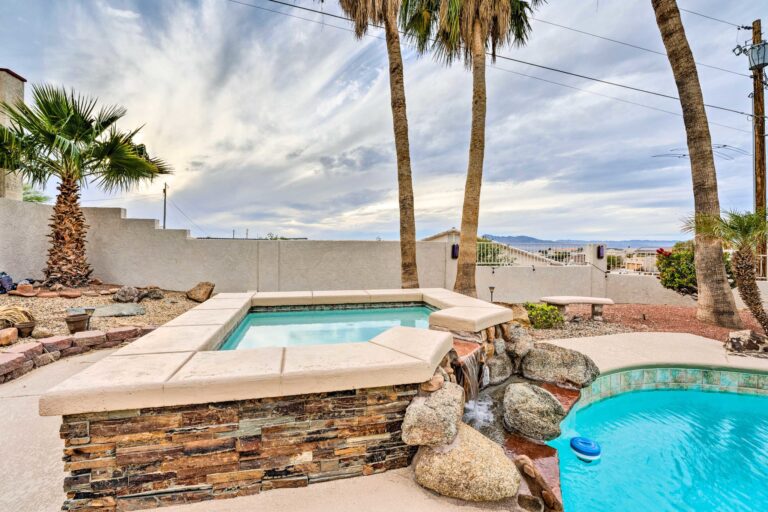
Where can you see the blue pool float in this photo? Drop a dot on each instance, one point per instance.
(585, 449)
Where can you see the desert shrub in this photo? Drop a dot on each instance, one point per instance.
(544, 316)
(677, 270)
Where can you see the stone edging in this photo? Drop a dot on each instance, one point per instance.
(21, 358)
(696, 379)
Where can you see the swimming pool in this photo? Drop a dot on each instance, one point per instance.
(668, 450)
(321, 327)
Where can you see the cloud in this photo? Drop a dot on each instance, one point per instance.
(275, 123)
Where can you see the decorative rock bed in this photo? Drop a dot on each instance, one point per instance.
(21, 358)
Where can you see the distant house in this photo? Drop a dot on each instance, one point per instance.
(492, 253)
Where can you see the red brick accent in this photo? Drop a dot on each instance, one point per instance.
(55, 343)
(29, 350)
(88, 338)
(10, 362)
(122, 333)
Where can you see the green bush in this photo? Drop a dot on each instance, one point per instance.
(677, 270)
(544, 316)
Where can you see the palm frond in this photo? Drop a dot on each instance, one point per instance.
(741, 230)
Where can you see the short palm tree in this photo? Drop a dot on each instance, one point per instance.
(744, 233)
(63, 136)
(384, 13)
(468, 29)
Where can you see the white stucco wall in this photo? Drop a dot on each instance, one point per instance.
(135, 252)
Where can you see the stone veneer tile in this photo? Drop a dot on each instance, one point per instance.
(153, 457)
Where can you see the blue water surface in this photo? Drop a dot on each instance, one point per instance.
(294, 328)
(668, 451)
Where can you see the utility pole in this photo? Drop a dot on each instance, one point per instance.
(165, 201)
(758, 119)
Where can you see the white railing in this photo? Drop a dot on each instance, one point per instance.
(496, 254)
(632, 261)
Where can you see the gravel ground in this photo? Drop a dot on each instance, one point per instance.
(583, 328)
(50, 313)
(644, 317)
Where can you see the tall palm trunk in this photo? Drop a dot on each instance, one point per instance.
(409, 276)
(743, 264)
(715, 299)
(67, 263)
(470, 215)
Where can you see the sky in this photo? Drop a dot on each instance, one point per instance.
(277, 120)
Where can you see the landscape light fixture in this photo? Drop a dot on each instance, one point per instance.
(491, 288)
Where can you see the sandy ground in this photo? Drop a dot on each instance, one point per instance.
(661, 318)
(50, 313)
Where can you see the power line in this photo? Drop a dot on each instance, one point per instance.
(632, 45)
(187, 217)
(540, 66)
(614, 98)
(712, 18)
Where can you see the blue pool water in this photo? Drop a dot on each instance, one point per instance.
(292, 328)
(668, 451)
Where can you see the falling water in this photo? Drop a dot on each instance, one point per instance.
(470, 374)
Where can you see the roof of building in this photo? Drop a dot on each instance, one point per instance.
(452, 231)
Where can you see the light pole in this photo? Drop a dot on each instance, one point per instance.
(491, 288)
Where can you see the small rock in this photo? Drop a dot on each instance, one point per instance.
(520, 315)
(112, 290)
(150, 293)
(41, 332)
(472, 468)
(126, 294)
(499, 365)
(8, 336)
(434, 420)
(118, 310)
(201, 292)
(561, 366)
(532, 412)
(47, 295)
(90, 293)
(433, 384)
(518, 344)
(96, 281)
(70, 294)
(43, 359)
(56, 287)
(106, 292)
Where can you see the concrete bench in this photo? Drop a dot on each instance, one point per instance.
(564, 300)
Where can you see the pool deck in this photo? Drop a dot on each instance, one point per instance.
(31, 448)
(659, 349)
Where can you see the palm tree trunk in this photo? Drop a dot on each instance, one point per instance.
(67, 262)
(470, 215)
(715, 299)
(409, 276)
(745, 275)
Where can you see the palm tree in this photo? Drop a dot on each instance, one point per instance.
(744, 233)
(63, 136)
(384, 12)
(715, 300)
(468, 29)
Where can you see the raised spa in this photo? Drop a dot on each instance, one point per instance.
(275, 328)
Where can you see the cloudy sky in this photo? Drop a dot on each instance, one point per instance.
(278, 120)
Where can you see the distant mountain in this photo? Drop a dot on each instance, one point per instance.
(616, 244)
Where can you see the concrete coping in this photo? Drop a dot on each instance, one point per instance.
(177, 364)
(628, 351)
